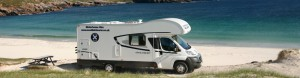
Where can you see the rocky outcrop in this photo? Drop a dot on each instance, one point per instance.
(161, 1)
(30, 8)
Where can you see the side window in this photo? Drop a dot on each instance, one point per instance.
(154, 42)
(167, 44)
(137, 40)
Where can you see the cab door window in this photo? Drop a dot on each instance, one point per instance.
(167, 44)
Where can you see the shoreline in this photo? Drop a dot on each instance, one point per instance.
(212, 55)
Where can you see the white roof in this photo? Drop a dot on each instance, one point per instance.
(170, 25)
(117, 22)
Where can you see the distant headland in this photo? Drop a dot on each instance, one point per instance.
(28, 7)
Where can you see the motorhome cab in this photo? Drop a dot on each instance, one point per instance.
(135, 44)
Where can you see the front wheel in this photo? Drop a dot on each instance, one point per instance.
(109, 68)
(180, 68)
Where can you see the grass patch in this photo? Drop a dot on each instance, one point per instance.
(17, 3)
(38, 67)
(240, 73)
(8, 61)
(75, 74)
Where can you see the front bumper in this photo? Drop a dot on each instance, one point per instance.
(194, 61)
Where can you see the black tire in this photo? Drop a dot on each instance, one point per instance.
(109, 67)
(79, 66)
(191, 69)
(198, 66)
(180, 68)
(118, 68)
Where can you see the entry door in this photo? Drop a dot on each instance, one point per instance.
(155, 43)
(83, 47)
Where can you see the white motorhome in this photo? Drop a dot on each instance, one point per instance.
(136, 44)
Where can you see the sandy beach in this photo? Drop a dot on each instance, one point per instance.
(212, 55)
(31, 48)
(215, 58)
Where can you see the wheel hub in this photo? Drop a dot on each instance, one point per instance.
(180, 68)
(108, 68)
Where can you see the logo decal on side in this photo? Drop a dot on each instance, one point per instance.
(95, 37)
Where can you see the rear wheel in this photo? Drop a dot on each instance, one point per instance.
(180, 67)
(109, 67)
(79, 66)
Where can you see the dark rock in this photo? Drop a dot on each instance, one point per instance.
(2, 14)
(4, 10)
(83, 4)
(254, 62)
(270, 61)
(13, 13)
(161, 1)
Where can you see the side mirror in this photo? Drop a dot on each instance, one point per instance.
(176, 49)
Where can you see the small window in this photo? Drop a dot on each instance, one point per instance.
(137, 40)
(154, 42)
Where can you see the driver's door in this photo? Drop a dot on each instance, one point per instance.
(167, 48)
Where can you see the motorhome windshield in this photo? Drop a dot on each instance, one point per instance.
(181, 42)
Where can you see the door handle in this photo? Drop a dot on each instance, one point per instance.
(120, 51)
(116, 50)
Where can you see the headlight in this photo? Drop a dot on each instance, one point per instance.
(190, 53)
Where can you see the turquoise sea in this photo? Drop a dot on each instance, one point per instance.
(251, 23)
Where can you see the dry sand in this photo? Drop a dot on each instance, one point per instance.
(31, 48)
(221, 55)
(214, 57)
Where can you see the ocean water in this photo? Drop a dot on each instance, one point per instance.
(254, 23)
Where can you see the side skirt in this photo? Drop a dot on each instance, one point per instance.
(116, 63)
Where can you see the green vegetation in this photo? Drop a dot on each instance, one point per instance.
(75, 74)
(16, 3)
(10, 3)
(241, 73)
(38, 67)
(8, 61)
(44, 72)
